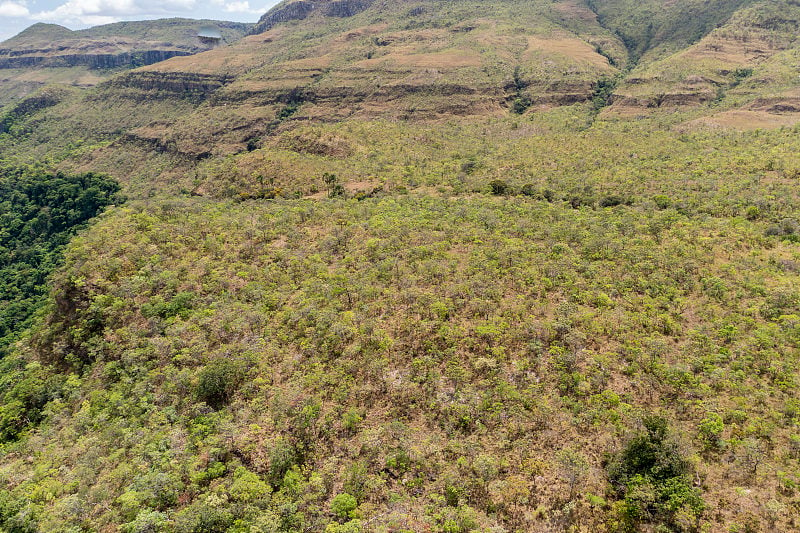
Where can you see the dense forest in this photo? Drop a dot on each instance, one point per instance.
(39, 214)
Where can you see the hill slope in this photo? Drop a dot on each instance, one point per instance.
(423, 266)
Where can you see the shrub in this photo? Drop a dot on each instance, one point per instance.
(353, 526)
(710, 432)
(218, 381)
(572, 468)
(521, 104)
(247, 486)
(208, 515)
(613, 200)
(662, 201)
(652, 477)
(529, 190)
(351, 420)
(343, 506)
(158, 489)
(147, 521)
(337, 191)
(498, 187)
(282, 457)
(469, 166)
(752, 213)
(180, 305)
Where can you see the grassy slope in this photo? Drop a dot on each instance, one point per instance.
(453, 360)
(750, 44)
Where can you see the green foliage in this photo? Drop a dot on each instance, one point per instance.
(281, 459)
(247, 486)
(602, 92)
(158, 490)
(39, 212)
(179, 305)
(231, 350)
(147, 521)
(218, 381)
(343, 506)
(351, 420)
(662, 201)
(521, 104)
(573, 468)
(652, 477)
(208, 515)
(498, 187)
(710, 432)
(352, 526)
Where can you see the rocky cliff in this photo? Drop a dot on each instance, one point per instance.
(50, 59)
(300, 9)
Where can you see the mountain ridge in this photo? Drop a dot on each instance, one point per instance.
(48, 53)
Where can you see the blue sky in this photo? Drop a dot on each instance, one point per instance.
(16, 15)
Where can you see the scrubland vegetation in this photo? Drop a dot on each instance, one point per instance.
(415, 315)
(412, 362)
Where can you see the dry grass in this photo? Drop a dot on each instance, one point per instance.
(576, 10)
(569, 49)
(744, 120)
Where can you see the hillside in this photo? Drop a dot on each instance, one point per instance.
(47, 53)
(429, 265)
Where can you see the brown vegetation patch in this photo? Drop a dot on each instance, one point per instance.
(317, 143)
(446, 60)
(574, 49)
(734, 51)
(574, 9)
(744, 120)
(364, 31)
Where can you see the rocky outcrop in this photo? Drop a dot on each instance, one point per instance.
(95, 61)
(157, 145)
(776, 105)
(284, 13)
(300, 9)
(668, 100)
(180, 84)
(345, 8)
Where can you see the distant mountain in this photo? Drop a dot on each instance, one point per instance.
(48, 53)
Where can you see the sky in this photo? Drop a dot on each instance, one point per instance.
(16, 15)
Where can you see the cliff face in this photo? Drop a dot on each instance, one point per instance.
(420, 60)
(15, 59)
(404, 61)
(748, 53)
(138, 85)
(300, 9)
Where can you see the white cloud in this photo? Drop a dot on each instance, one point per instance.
(240, 7)
(92, 12)
(13, 9)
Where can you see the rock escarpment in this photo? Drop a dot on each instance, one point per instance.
(44, 58)
(301, 9)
